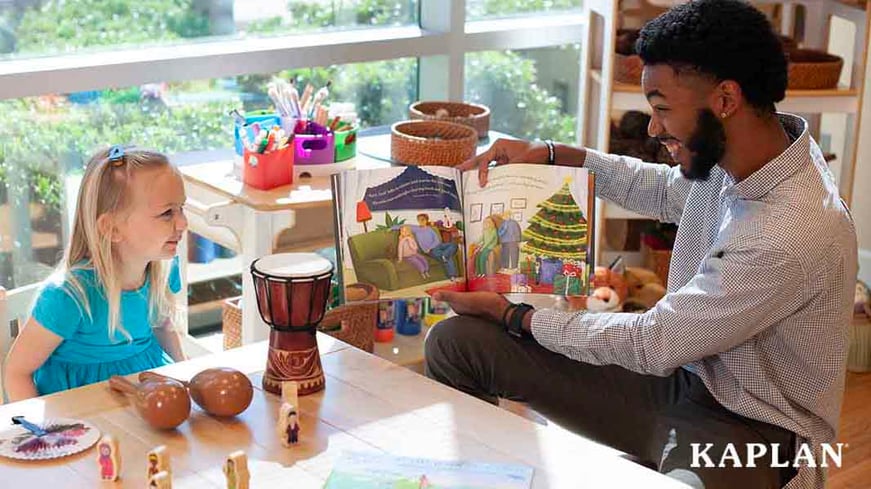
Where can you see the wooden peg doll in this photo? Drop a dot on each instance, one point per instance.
(160, 480)
(109, 458)
(158, 461)
(290, 392)
(236, 470)
(288, 424)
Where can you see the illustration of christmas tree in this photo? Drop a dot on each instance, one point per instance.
(558, 229)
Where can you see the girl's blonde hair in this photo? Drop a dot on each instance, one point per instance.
(104, 190)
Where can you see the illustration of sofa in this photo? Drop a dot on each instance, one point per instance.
(374, 257)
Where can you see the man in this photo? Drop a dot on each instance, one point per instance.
(509, 237)
(748, 346)
(430, 243)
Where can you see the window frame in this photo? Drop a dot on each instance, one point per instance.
(440, 43)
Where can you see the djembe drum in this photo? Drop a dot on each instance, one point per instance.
(292, 291)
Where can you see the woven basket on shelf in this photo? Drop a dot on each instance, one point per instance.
(813, 70)
(432, 143)
(354, 323)
(231, 322)
(656, 260)
(472, 115)
(627, 64)
(627, 69)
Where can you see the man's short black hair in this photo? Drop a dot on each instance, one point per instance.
(724, 39)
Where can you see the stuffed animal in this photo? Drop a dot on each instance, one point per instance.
(638, 289)
(644, 288)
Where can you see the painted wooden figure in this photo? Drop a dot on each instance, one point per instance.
(109, 458)
(158, 461)
(236, 470)
(288, 424)
(160, 480)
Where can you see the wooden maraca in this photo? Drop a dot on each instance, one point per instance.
(164, 405)
(218, 391)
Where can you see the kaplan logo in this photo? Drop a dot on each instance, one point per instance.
(831, 456)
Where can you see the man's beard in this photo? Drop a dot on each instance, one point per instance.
(707, 145)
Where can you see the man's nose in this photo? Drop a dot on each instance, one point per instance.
(654, 128)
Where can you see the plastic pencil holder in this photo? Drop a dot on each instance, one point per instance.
(268, 170)
(265, 118)
(346, 144)
(314, 144)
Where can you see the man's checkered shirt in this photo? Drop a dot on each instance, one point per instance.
(760, 289)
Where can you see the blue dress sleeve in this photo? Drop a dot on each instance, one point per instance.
(174, 276)
(57, 310)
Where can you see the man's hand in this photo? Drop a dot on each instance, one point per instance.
(486, 305)
(503, 152)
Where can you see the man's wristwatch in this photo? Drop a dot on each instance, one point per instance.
(512, 319)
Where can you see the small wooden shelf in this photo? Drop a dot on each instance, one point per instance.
(836, 100)
(603, 98)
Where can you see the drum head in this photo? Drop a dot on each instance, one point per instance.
(292, 265)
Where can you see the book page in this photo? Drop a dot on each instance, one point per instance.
(378, 470)
(530, 230)
(400, 231)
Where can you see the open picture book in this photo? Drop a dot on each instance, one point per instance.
(360, 470)
(411, 231)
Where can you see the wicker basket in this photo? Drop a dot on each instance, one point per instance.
(656, 260)
(859, 356)
(432, 143)
(354, 323)
(813, 70)
(473, 115)
(627, 69)
(627, 64)
(231, 322)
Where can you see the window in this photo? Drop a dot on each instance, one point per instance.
(62, 63)
(531, 93)
(51, 136)
(30, 27)
(481, 9)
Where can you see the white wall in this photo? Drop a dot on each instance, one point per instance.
(861, 204)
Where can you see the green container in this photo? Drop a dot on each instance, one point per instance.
(346, 144)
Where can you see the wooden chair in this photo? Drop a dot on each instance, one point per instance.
(14, 308)
(6, 337)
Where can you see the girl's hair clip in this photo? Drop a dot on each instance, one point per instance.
(116, 155)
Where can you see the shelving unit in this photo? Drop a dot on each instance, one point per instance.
(602, 97)
(215, 269)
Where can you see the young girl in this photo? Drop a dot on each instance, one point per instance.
(408, 251)
(110, 309)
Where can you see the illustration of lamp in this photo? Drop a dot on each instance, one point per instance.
(363, 214)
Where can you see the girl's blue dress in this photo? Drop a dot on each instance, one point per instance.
(87, 354)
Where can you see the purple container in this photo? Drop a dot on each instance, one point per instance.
(314, 144)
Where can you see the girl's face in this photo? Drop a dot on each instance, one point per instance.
(488, 223)
(405, 231)
(154, 221)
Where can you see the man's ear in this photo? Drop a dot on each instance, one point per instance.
(728, 99)
(107, 226)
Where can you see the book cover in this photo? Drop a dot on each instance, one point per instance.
(364, 470)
